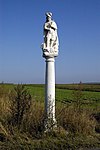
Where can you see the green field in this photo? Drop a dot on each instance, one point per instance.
(91, 97)
(90, 94)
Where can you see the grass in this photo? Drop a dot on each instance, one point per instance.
(63, 92)
(89, 98)
(85, 87)
(22, 128)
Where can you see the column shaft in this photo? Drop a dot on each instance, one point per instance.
(50, 88)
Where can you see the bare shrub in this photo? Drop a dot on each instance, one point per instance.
(20, 104)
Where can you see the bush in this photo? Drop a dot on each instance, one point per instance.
(20, 104)
(27, 115)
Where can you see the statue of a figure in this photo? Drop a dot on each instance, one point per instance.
(50, 35)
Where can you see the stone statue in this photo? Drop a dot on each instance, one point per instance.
(50, 45)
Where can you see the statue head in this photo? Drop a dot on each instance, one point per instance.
(48, 14)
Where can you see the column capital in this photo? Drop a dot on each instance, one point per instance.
(50, 59)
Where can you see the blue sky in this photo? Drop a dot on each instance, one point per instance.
(21, 34)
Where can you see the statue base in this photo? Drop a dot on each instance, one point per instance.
(49, 51)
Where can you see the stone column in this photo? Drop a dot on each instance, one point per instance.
(50, 88)
(50, 51)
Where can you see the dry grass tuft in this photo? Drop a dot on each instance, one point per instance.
(76, 122)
